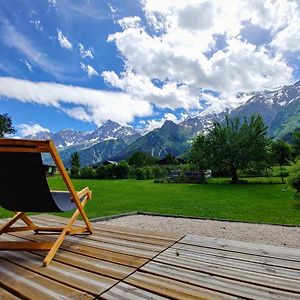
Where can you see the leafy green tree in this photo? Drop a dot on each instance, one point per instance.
(294, 177)
(140, 174)
(75, 165)
(296, 143)
(121, 170)
(281, 155)
(199, 153)
(237, 144)
(87, 172)
(140, 159)
(6, 125)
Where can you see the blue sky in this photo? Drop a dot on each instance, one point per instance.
(75, 64)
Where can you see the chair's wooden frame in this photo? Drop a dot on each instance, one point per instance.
(14, 145)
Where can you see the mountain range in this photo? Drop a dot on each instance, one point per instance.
(280, 109)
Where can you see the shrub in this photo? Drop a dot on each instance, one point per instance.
(87, 172)
(294, 178)
(140, 174)
(100, 172)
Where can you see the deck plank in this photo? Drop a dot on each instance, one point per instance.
(212, 282)
(5, 295)
(124, 263)
(239, 255)
(73, 277)
(128, 292)
(199, 257)
(243, 247)
(170, 288)
(29, 285)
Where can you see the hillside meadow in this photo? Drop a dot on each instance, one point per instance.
(252, 202)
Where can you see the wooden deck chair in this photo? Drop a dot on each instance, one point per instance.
(24, 188)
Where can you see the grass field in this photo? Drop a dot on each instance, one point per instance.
(252, 202)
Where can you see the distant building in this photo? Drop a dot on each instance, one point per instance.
(171, 160)
(49, 170)
(109, 162)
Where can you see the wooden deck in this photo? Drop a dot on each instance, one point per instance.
(122, 263)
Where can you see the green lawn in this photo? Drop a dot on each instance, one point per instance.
(217, 200)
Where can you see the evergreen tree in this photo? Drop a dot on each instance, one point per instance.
(6, 125)
(75, 165)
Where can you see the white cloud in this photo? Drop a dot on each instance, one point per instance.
(190, 46)
(29, 129)
(89, 70)
(37, 25)
(90, 105)
(63, 41)
(13, 38)
(85, 53)
(27, 64)
(52, 3)
(157, 123)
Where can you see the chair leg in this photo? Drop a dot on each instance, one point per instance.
(62, 235)
(13, 220)
(22, 216)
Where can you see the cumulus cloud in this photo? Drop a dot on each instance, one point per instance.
(29, 129)
(90, 105)
(89, 70)
(63, 41)
(149, 125)
(85, 53)
(185, 48)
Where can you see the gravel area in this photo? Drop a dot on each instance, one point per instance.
(247, 232)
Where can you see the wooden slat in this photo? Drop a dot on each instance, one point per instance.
(17, 246)
(216, 283)
(249, 248)
(128, 292)
(113, 256)
(269, 261)
(69, 276)
(74, 240)
(171, 288)
(121, 240)
(199, 258)
(29, 285)
(84, 262)
(116, 235)
(229, 272)
(5, 295)
(118, 229)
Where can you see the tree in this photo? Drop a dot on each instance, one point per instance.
(6, 125)
(237, 145)
(294, 177)
(199, 153)
(281, 155)
(140, 159)
(296, 143)
(75, 165)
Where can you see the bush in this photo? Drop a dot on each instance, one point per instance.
(140, 174)
(87, 172)
(100, 172)
(294, 178)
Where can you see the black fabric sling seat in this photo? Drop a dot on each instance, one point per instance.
(23, 174)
